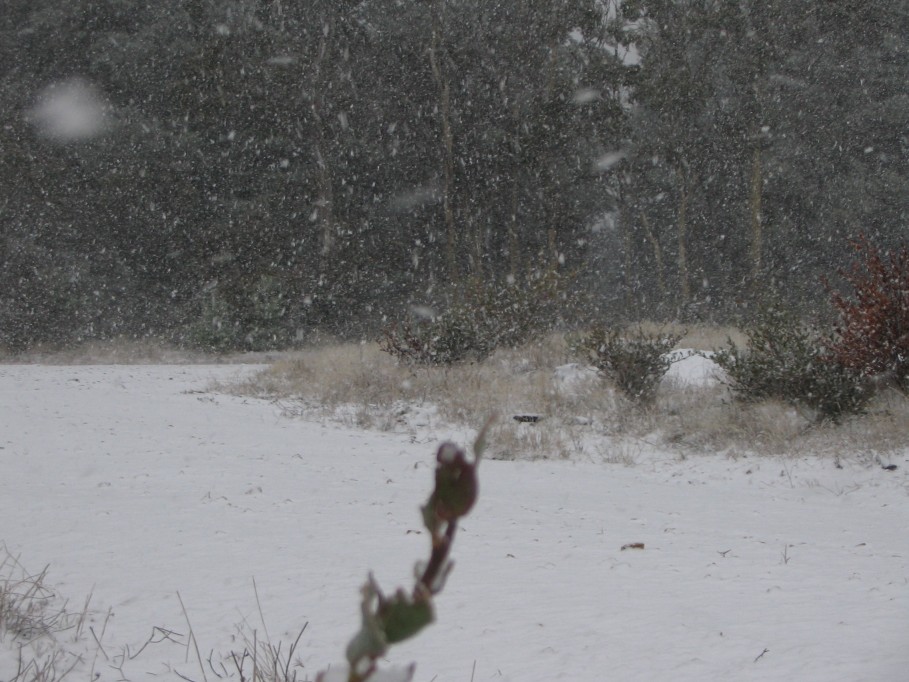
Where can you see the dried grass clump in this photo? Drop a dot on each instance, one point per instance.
(108, 352)
(334, 375)
(708, 419)
(362, 386)
(365, 387)
(49, 640)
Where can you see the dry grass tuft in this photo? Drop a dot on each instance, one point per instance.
(49, 640)
(709, 419)
(260, 659)
(366, 387)
(41, 640)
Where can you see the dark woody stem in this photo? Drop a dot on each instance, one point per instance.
(441, 546)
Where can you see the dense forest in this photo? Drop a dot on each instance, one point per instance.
(243, 173)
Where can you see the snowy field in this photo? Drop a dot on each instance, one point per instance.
(140, 489)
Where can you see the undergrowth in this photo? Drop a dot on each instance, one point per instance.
(48, 641)
(633, 360)
(481, 319)
(565, 411)
(786, 360)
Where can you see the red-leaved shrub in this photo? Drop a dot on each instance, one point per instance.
(873, 333)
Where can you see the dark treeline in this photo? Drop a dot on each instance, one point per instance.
(245, 172)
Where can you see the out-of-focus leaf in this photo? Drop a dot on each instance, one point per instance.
(401, 617)
(456, 484)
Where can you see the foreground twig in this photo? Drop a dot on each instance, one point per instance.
(387, 620)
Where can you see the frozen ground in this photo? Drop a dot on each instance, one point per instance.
(134, 484)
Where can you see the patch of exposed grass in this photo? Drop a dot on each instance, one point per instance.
(567, 414)
(130, 352)
(366, 387)
(709, 419)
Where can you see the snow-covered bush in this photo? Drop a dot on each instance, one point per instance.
(484, 318)
(873, 334)
(454, 336)
(634, 360)
(787, 360)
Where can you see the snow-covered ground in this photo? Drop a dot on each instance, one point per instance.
(140, 488)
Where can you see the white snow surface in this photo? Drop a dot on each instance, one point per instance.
(135, 484)
(692, 368)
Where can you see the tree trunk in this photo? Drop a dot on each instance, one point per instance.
(325, 201)
(657, 256)
(447, 143)
(757, 229)
(684, 277)
(514, 256)
(628, 263)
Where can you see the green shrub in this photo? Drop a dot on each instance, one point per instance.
(787, 360)
(253, 319)
(266, 321)
(215, 330)
(634, 361)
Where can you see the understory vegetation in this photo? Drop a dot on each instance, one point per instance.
(777, 384)
(781, 385)
(792, 362)
(552, 405)
(471, 329)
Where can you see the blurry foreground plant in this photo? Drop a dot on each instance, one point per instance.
(387, 620)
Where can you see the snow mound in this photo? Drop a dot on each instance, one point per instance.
(693, 368)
